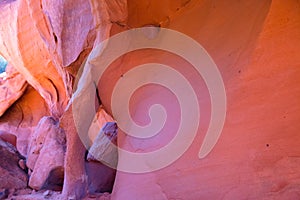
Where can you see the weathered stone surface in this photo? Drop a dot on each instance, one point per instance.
(46, 152)
(22, 164)
(255, 45)
(37, 141)
(31, 45)
(12, 177)
(100, 119)
(55, 179)
(8, 137)
(53, 36)
(101, 178)
(103, 135)
(104, 147)
(12, 86)
(22, 118)
(74, 186)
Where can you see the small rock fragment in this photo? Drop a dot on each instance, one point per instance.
(22, 164)
(71, 198)
(46, 193)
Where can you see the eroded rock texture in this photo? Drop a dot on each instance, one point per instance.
(41, 39)
(46, 152)
(12, 86)
(12, 176)
(255, 45)
(23, 116)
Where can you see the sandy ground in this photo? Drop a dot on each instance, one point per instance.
(28, 194)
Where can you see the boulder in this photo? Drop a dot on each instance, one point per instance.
(104, 148)
(101, 178)
(55, 179)
(37, 141)
(46, 153)
(102, 157)
(12, 176)
(102, 160)
(100, 119)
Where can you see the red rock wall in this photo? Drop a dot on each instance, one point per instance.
(40, 39)
(255, 45)
(23, 116)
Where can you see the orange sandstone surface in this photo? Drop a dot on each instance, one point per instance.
(255, 46)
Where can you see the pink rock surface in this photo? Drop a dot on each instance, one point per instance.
(22, 118)
(46, 152)
(101, 178)
(104, 147)
(100, 119)
(12, 177)
(48, 39)
(37, 141)
(8, 137)
(255, 45)
(12, 86)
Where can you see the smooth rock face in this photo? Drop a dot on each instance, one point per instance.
(254, 45)
(46, 152)
(12, 177)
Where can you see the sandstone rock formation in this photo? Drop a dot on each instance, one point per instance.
(46, 152)
(22, 117)
(255, 46)
(104, 148)
(101, 178)
(12, 177)
(100, 119)
(8, 137)
(12, 86)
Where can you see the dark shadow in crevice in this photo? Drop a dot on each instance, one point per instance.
(55, 180)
